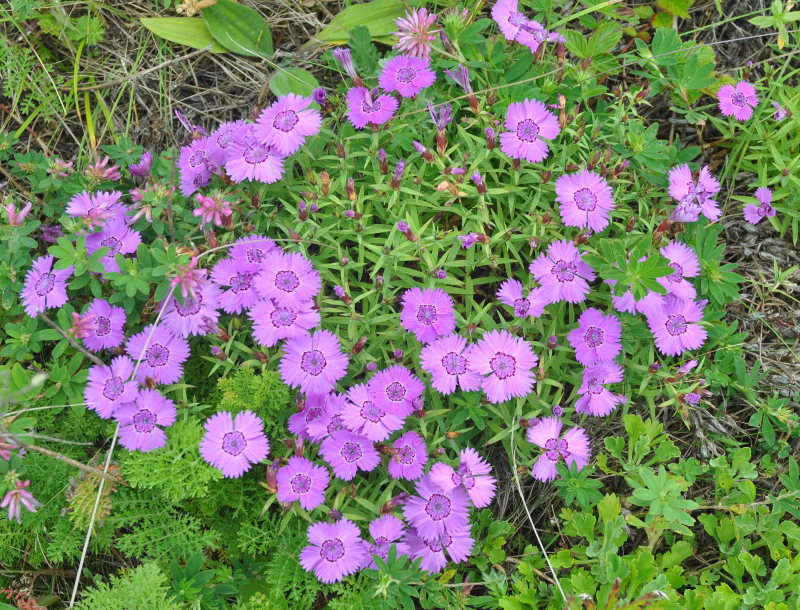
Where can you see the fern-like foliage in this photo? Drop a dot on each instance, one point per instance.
(265, 394)
(144, 587)
(177, 471)
(82, 498)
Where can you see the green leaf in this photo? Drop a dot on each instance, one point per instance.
(183, 30)
(238, 28)
(605, 37)
(378, 16)
(293, 80)
(676, 7)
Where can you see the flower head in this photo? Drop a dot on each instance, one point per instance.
(406, 74)
(18, 497)
(335, 550)
(212, 209)
(684, 261)
(17, 218)
(595, 398)
(314, 362)
(516, 27)
(529, 124)
(409, 457)
(596, 338)
(385, 531)
(272, 322)
(473, 473)
(755, 213)
(347, 453)
(675, 325)
(510, 293)
(345, 59)
(197, 162)
(196, 315)
(585, 200)
(101, 170)
(109, 387)
(457, 542)
(330, 421)
(737, 100)
(506, 362)
(107, 328)
(780, 112)
(363, 416)
(234, 444)
(572, 447)
(288, 278)
(141, 421)
(415, 32)
(435, 512)
(96, 209)
(236, 280)
(427, 313)
(249, 158)
(253, 249)
(562, 273)
(394, 390)
(223, 138)
(447, 360)
(118, 237)
(366, 107)
(694, 198)
(287, 123)
(44, 287)
(299, 422)
(160, 353)
(142, 168)
(302, 480)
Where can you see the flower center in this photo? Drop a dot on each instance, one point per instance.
(381, 547)
(198, 157)
(438, 507)
(426, 314)
(255, 255)
(564, 271)
(157, 355)
(521, 307)
(190, 306)
(241, 282)
(503, 365)
(465, 476)
(300, 483)
(313, 413)
(395, 391)
(556, 447)
(282, 316)
(585, 200)
(103, 325)
(45, 284)
(256, 153)
(527, 130)
(113, 388)
(286, 281)
(739, 99)
(234, 443)
(406, 74)
(593, 336)
(676, 325)
(371, 412)
(677, 275)
(332, 550)
(351, 452)
(144, 421)
(406, 454)
(454, 364)
(595, 386)
(225, 139)
(335, 424)
(285, 120)
(313, 362)
(375, 107)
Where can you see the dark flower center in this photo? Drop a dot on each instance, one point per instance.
(332, 550)
(313, 362)
(406, 455)
(564, 271)
(439, 545)
(521, 307)
(113, 388)
(282, 316)
(103, 326)
(585, 200)
(286, 281)
(335, 424)
(313, 413)
(367, 109)
(285, 120)
(198, 157)
(395, 391)
(465, 476)
(556, 447)
(225, 139)
(371, 412)
(300, 483)
(676, 325)
(157, 355)
(255, 255)
(438, 507)
(595, 386)
(527, 130)
(190, 306)
(593, 336)
(739, 99)
(426, 314)
(406, 74)
(381, 547)
(241, 282)
(144, 421)
(351, 452)
(113, 244)
(503, 365)
(256, 153)
(234, 443)
(677, 275)
(454, 364)
(45, 284)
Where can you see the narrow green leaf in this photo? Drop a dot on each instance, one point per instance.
(183, 30)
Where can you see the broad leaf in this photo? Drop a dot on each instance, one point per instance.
(238, 28)
(293, 80)
(378, 16)
(184, 30)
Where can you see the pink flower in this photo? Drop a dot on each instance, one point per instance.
(473, 473)
(737, 101)
(409, 457)
(693, 198)
(287, 123)
(506, 362)
(447, 360)
(435, 512)
(416, 32)
(427, 313)
(369, 107)
(562, 273)
(684, 261)
(302, 480)
(234, 444)
(756, 213)
(213, 209)
(363, 416)
(595, 398)
(585, 200)
(457, 542)
(141, 421)
(529, 124)
(395, 389)
(510, 293)
(407, 75)
(335, 550)
(347, 453)
(107, 326)
(675, 325)
(101, 171)
(314, 362)
(18, 497)
(16, 218)
(596, 338)
(572, 447)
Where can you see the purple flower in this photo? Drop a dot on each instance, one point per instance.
(529, 124)
(595, 398)
(469, 240)
(236, 280)
(197, 162)
(457, 542)
(675, 325)
(342, 55)
(447, 360)
(272, 322)
(532, 306)
(249, 158)
(596, 338)
(780, 112)
(435, 512)
(118, 238)
(755, 213)
(288, 278)
(96, 209)
(562, 273)
(415, 32)
(506, 363)
(253, 249)
(160, 352)
(142, 168)
(737, 101)
(347, 453)
(460, 76)
(692, 398)
(394, 390)
(299, 422)
(693, 198)
(314, 362)
(197, 315)
(443, 117)
(141, 421)
(319, 96)
(585, 200)
(50, 234)
(516, 27)
(107, 328)
(572, 447)
(362, 416)
(473, 473)
(385, 531)
(684, 261)
(234, 444)
(302, 480)
(18, 497)
(369, 108)
(336, 550)
(287, 123)
(403, 226)
(223, 138)
(330, 420)
(44, 287)
(427, 313)
(409, 457)
(108, 387)
(406, 74)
